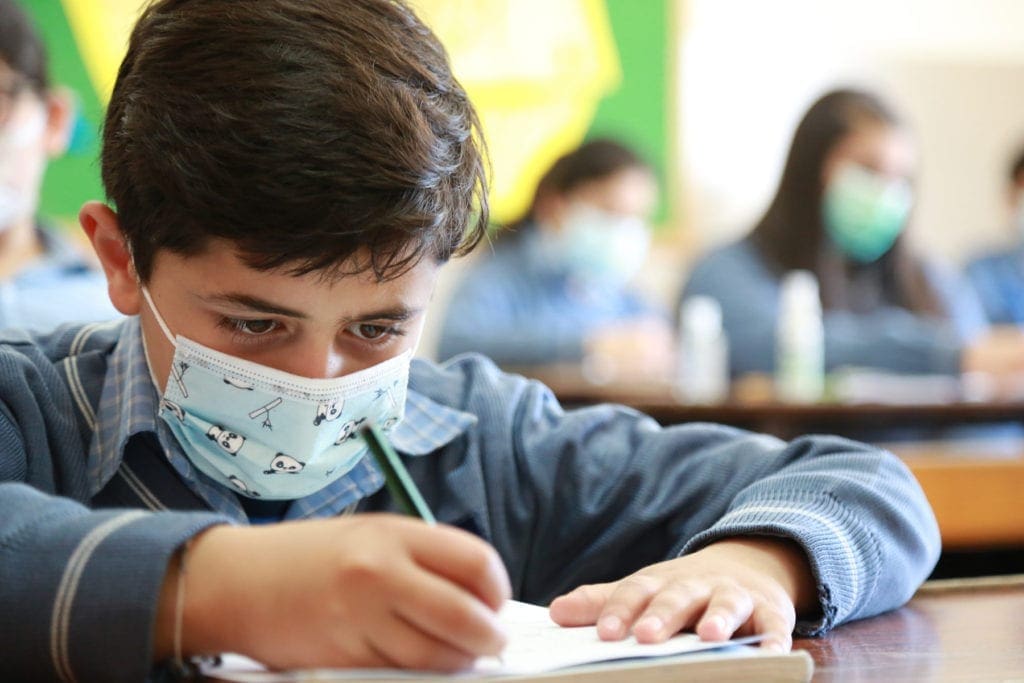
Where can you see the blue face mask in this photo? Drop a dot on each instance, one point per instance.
(599, 248)
(267, 433)
(864, 212)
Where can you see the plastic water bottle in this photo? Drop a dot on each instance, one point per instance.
(800, 340)
(703, 361)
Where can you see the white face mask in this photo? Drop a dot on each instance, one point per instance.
(601, 248)
(271, 434)
(13, 206)
(17, 194)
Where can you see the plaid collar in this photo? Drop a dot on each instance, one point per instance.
(129, 406)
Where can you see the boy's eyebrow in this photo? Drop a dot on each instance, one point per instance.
(395, 313)
(252, 302)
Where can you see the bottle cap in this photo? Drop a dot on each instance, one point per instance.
(800, 291)
(702, 314)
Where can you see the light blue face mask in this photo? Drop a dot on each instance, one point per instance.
(267, 433)
(864, 212)
(598, 248)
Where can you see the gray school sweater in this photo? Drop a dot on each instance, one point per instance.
(565, 497)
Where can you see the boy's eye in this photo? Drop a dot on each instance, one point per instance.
(371, 332)
(255, 327)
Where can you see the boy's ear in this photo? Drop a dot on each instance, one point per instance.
(60, 119)
(101, 226)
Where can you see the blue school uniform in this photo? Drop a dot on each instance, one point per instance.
(94, 499)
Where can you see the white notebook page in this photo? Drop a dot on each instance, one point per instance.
(535, 644)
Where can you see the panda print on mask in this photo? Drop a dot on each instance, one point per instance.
(326, 412)
(284, 464)
(348, 431)
(229, 441)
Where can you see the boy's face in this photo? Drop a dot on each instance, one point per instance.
(303, 325)
(22, 148)
(32, 128)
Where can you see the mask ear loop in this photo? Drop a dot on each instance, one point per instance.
(163, 328)
(416, 347)
(156, 314)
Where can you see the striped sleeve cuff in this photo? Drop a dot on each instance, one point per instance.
(114, 577)
(80, 588)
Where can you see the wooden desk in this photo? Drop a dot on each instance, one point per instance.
(788, 421)
(785, 420)
(961, 630)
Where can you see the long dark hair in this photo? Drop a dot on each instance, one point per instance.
(21, 48)
(593, 160)
(791, 234)
(1016, 170)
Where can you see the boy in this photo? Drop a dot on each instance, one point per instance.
(288, 176)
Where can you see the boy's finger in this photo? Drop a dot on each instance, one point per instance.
(629, 599)
(727, 609)
(674, 608)
(407, 646)
(582, 606)
(775, 626)
(464, 560)
(448, 613)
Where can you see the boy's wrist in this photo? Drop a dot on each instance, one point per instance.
(212, 620)
(197, 606)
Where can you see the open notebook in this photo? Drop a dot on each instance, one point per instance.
(539, 650)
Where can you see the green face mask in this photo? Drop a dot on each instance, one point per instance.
(864, 213)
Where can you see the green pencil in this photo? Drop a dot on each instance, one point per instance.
(397, 478)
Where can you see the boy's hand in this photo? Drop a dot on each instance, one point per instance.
(742, 586)
(363, 591)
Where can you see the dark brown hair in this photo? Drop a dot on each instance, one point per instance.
(1017, 168)
(593, 160)
(300, 131)
(21, 48)
(791, 234)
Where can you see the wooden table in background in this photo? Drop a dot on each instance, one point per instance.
(976, 490)
(786, 420)
(957, 630)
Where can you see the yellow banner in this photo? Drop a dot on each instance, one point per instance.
(534, 69)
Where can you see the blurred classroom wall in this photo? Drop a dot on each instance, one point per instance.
(748, 70)
(709, 90)
(589, 68)
(544, 75)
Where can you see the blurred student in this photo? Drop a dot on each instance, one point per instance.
(44, 279)
(840, 212)
(557, 285)
(998, 277)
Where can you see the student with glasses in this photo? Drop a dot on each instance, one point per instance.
(44, 279)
